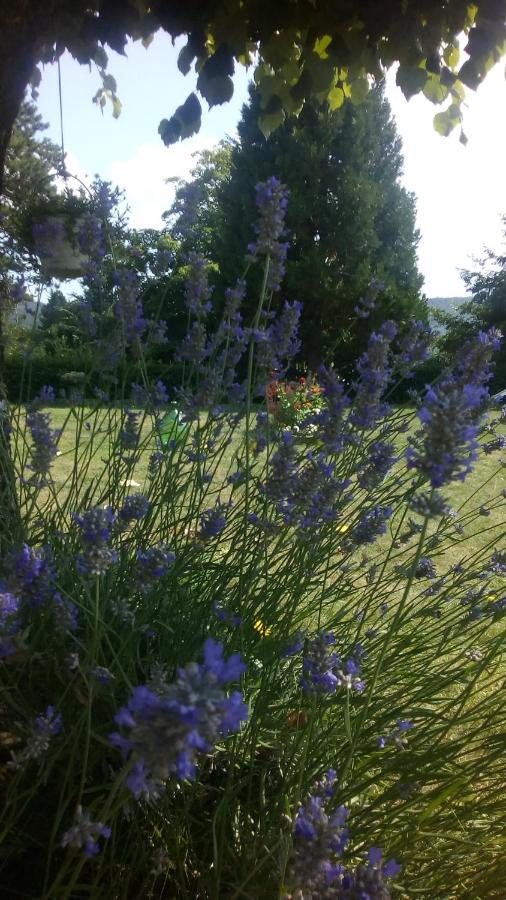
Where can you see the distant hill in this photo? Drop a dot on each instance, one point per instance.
(447, 304)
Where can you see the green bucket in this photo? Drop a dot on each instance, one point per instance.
(173, 427)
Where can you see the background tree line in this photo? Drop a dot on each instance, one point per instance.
(350, 223)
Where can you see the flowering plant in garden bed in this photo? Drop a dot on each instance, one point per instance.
(294, 404)
(267, 670)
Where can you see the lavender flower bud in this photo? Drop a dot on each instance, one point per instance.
(84, 833)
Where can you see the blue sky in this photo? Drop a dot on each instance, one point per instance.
(461, 191)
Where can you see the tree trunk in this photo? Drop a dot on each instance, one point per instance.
(17, 61)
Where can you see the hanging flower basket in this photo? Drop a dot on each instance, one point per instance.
(57, 246)
(51, 231)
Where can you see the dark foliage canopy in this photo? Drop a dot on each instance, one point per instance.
(327, 50)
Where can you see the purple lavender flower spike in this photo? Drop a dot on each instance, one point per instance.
(319, 835)
(447, 446)
(413, 348)
(32, 575)
(213, 522)
(323, 670)
(128, 306)
(135, 507)
(44, 439)
(155, 397)
(330, 420)
(396, 735)
(96, 530)
(381, 458)
(371, 524)
(272, 202)
(197, 289)
(374, 368)
(130, 432)
(153, 564)
(368, 302)
(9, 623)
(166, 731)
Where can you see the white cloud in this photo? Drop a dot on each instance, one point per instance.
(143, 177)
(78, 175)
(461, 190)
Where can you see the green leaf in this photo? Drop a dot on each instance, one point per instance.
(116, 107)
(35, 79)
(445, 122)
(263, 70)
(185, 59)
(335, 98)
(291, 71)
(214, 81)
(185, 121)
(169, 130)
(434, 90)
(100, 58)
(321, 44)
(433, 63)
(215, 90)
(458, 92)
(303, 87)
(322, 72)
(411, 80)
(359, 89)
(447, 77)
(291, 106)
(451, 55)
(190, 115)
(109, 83)
(269, 121)
(469, 74)
(280, 47)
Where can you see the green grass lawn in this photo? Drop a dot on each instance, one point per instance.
(85, 448)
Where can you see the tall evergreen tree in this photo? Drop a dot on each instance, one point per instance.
(31, 163)
(349, 218)
(30, 160)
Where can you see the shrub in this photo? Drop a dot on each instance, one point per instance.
(265, 671)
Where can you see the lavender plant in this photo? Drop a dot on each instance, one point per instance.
(347, 600)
